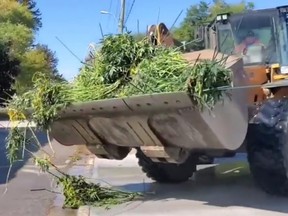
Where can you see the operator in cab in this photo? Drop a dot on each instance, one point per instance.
(249, 40)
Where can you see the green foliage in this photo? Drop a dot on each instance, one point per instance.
(36, 60)
(79, 192)
(31, 5)
(119, 54)
(115, 62)
(205, 78)
(50, 65)
(221, 6)
(10, 67)
(168, 71)
(203, 13)
(19, 21)
(13, 13)
(45, 99)
(16, 23)
(18, 36)
(43, 163)
(15, 142)
(195, 15)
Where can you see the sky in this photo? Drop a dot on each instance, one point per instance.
(76, 23)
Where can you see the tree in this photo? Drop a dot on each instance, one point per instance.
(14, 13)
(38, 59)
(51, 61)
(195, 15)
(19, 21)
(203, 13)
(16, 35)
(16, 22)
(10, 68)
(220, 6)
(31, 5)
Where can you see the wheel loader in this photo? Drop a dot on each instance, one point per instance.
(171, 137)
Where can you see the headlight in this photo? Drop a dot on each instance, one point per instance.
(284, 70)
(225, 17)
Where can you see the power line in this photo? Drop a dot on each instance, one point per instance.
(128, 5)
(82, 62)
(110, 6)
(69, 50)
(132, 5)
(117, 10)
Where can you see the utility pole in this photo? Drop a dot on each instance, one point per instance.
(122, 16)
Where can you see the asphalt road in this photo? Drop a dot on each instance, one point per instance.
(224, 189)
(27, 190)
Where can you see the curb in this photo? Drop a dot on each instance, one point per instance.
(84, 211)
(6, 124)
(85, 168)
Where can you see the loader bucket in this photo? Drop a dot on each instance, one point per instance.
(159, 121)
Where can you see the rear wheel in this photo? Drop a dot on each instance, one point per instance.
(166, 172)
(267, 147)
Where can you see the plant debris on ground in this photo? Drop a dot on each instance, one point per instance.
(78, 191)
(121, 67)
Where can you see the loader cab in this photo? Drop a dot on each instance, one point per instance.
(259, 36)
(283, 38)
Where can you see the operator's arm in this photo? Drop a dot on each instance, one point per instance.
(240, 48)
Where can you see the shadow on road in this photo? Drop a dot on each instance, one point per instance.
(224, 185)
(4, 163)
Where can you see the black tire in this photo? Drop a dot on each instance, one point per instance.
(166, 172)
(267, 147)
(204, 159)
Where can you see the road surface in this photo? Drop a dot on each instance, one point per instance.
(24, 177)
(222, 190)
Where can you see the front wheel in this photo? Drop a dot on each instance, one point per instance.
(267, 147)
(166, 172)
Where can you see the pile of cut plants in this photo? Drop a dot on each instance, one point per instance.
(121, 67)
